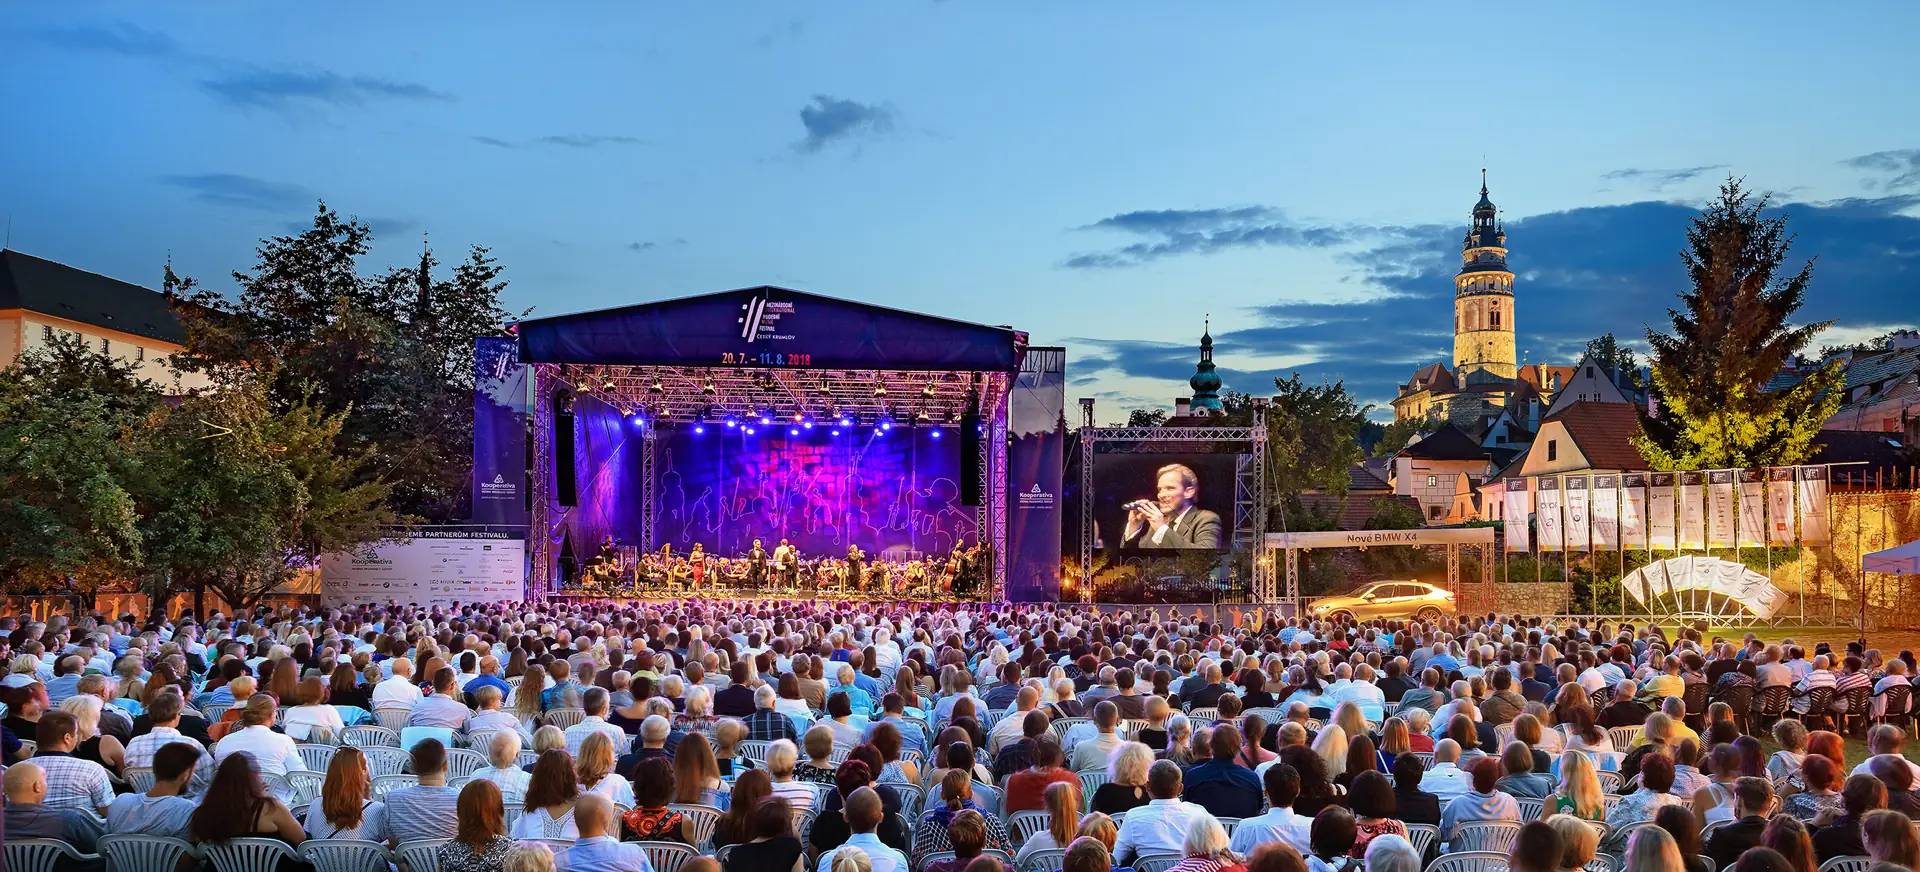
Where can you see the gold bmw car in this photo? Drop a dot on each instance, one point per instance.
(1387, 599)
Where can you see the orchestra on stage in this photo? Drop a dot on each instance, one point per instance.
(784, 570)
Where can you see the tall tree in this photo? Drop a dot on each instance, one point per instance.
(1730, 337)
(1608, 352)
(1397, 434)
(67, 512)
(395, 348)
(1312, 437)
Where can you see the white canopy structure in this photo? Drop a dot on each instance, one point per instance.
(1901, 560)
(1689, 585)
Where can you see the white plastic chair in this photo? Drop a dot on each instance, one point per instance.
(317, 757)
(1090, 782)
(1155, 862)
(141, 777)
(382, 760)
(368, 736)
(667, 856)
(248, 855)
(41, 855)
(393, 717)
(754, 750)
(565, 717)
(701, 819)
(1623, 737)
(126, 852)
(462, 762)
(1847, 864)
(1470, 861)
(1044, 861)
(420, 855)
(1422, 837)
(1024, 824)
(385, 784)
(307, 785)
(1530, 809)
(345, 855)
(1494, 836)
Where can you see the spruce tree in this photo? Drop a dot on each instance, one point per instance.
(1730, 337)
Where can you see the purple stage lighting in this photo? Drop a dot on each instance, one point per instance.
(732, 422)
(793, 431)
(936, 432)
(766, 421)
(846, 421)
(699, 429)
(836, 432)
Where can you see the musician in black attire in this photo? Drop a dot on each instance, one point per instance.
(757, 565)
(856, 566)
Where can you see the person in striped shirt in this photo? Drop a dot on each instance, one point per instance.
(165, 712)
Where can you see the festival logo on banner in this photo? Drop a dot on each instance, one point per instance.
(1548, 513)
(1605, 508)
(1575, 496)
(1633, 511)
(1693, 510)
(760, 318)
(1035, 471)
(1720, 532)
(1753, 522)
(1813, 504)
(1780, 505)
(1519, 505)
(500, 411)
(1661, 530)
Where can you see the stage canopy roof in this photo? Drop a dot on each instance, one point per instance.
(776, 352)
(1903, 560)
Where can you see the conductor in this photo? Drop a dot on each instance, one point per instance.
(757, 565)
(1170, 519)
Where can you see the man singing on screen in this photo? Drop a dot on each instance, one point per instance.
(1170, 519)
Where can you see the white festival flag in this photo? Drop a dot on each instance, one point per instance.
(1547, 512)
(1780, 505)
(1693, 510)
(1573, 492)
(1660, 517)
(1519, 505)
(1604, 506)
(1813, 504)
(1753, 501)
(1633, 511)
(1720, 508)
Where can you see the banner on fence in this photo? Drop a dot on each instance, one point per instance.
(1661, 531)
(1813, 504)
(1604, 506)
(1753, 502)
(1519, 504)
(1693, 510)
(1720, 508)
(430, 567)
(1547, 513)
(1779, 505)
(1574, 494)
(1633, 511)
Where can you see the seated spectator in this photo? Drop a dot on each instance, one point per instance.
(428, 810)
(346, 808)
(313, 720)
(1753, 799)
(164, 717)
(503, 763)
(1485, 802)
(863, 815)
(955, 796)
(1087, 855)
(1413, 805)
(1126, 787)
(164, 809)
(651, 820)
(1520, 779)
(1384, 854)
(1787, 835)
(1205, 848)
(93, 744)
(967, 834)
(1445, 780)
(480, 843)
(273, 752)
(552, 791)
(1578, 791)
(781, 757)
(818, 768)
(238, 805)
(1160, 826)
(770, 845)
(594, 768)
(1579, 841)
(71, 781)
(1656, 784)
(1374, 811)
(1897, 774)
(1063, 823)
(1334, 833)
(599, 849)
(27, 815)
(1024, 790)
(1537, 849)
(1890, 838)
(1840, 837)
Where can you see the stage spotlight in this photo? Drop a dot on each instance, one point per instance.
(808, 424)
(879, 390)
(732, 421)
(793, 431)
(749, 431)
(699, 429)
(657, 387)
(927, 391)
(936, 432)
(846, 421)
(709, 390)
(797, 417)
(766, 421)
(626, 413)
(886, 425)
(836, 431)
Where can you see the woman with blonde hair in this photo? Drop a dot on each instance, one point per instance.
(1098, 827)
(93, 744)
(549, 738)
(1331, 747)
(1348, 717)
(1063, 819)
(1126, 787)
(1651, 849)
(1419, 726)
(1205, 848)
(1578, 793)
(594, 768)
(1395, 739)
(528, 857)
(527, 705)
(128, 670)
(1579, 841)
(346, 809)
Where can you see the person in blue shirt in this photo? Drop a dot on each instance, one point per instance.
(1220, 785)
(595, 850)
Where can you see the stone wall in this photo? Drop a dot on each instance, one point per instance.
(1524, 598)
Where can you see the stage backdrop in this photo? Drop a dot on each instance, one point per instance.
(1035, 411)
(895, 493)
(431, 567)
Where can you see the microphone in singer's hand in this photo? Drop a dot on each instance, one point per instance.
(1138, 505)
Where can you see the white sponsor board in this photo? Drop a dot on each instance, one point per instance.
(433, 567)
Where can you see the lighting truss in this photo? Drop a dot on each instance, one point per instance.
(679, 394)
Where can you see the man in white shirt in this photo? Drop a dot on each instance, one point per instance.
(1885, 740)
(397, 691)
(1279, 824)
(503, 765)
(1160, 826)
(1771, 672)
(1091, 753)
(165, 713)
(489, 716)
(71, 781)
(1010, 728)
(863, 815)
(440, 708)
(594, 703)
(273, 753)
(1445, 780)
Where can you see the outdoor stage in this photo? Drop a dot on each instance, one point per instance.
(860, 435)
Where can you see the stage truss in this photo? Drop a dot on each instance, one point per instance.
(1249, 487)
(695, 396)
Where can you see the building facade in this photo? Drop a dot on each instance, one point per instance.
(41, 300)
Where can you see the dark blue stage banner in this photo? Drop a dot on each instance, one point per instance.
(500, 410)
(769, 327)
(1036, 421)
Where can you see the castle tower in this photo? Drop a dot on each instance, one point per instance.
(1205, 382)
(1483, 345)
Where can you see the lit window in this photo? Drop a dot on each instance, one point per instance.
(46, 332)
(1433, 511)
(1432, 480)
(106, 346)
(139, 352)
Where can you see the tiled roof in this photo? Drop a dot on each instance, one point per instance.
(1446, 443)
(1432, 377)
(1352, 512)
(48, 288)
(1360, 477)
(1604, 433)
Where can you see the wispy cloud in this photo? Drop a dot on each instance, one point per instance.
(1167, 232)
(650, 245)
(260, 88)
(120, 38)
(567, 140)
(1903, 165)
(244, 192)
(828, 119)
(1658, 180)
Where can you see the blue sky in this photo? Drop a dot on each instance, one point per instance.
(1098, 174)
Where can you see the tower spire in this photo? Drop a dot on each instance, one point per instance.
(1205, 382)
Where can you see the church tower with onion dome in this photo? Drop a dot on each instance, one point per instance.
(1483, 343)
(1205, 382)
